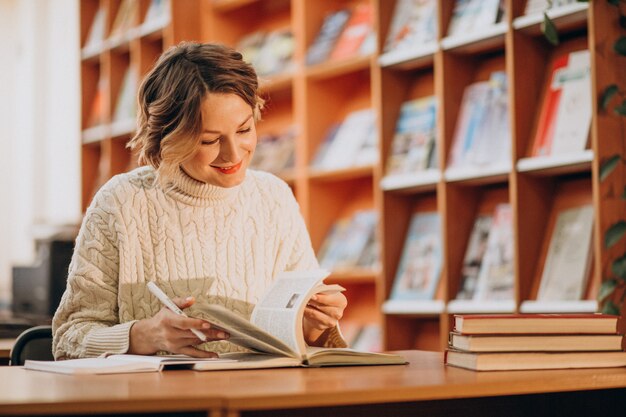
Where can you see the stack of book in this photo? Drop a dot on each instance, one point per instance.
(535, 341)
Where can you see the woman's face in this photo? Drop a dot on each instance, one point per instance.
(227, 144)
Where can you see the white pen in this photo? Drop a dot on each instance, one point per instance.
(158, 293)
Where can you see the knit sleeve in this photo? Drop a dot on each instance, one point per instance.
(86, 324)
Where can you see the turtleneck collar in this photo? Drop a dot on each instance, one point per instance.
(193, 192)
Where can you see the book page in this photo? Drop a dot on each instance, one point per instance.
(280, 311)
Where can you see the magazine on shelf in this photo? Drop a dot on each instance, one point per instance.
(124, 19)
(356, 36)
(496, 276)
(419, 269)
(414, 23)
(565, 116)
(126, 105)
(474, 16)
(567, 264)
(540, 6)
(482, 135)
(476, 248)
(324, 42)
(96, 32)
(414, 140)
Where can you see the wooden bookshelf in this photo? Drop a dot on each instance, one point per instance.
(315, 97)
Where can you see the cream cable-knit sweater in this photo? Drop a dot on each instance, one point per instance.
(222, 245)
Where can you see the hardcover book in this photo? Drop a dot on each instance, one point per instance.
(565, 116)
(566, 269)
(509, 361)
(534, 343)
(420, 264)
(535, 323)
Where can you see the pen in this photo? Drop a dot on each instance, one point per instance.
(158, 293)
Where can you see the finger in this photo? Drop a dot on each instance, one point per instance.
(318, 319)
(330, 311)
(335, 299)
(183, 303)
(197, 353)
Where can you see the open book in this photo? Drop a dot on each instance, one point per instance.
(118, 364)
(274, 333)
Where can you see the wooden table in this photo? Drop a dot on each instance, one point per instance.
(424, 387)
(5, 350)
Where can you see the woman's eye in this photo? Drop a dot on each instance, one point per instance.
(210, 142)
(244, 131)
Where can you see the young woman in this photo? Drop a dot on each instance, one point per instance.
(194, 220)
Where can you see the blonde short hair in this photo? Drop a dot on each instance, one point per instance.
(170, 101)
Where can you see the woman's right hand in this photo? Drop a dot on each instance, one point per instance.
(167, 331)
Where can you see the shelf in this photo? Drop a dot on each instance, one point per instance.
(153, 28)
(409, 59)
(579, 306)
(480, 306)
(355, 276)
(226, 6)
(497, 173)
(331, 69)
(568, 17)
(342, 174)
(425, 308)
(123, 128)
(92, 52)
(492, 38)
(424, 181)
(558, 164)
(95, 134)
(274, 83)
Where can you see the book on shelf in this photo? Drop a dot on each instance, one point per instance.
(419, 269)
(96, 111)
(496, 276)
(356, 38)
(476, 248)
(329, 32)
(590, 323)
(509, 361)
(269, 53)
(567, 264)
(565, 115)
(124, 18)
(117, 364)
(414, 23)
(349, 241)
(158, 13)
(126, 104)
(274, 334)
(96, 31)
(369, 338)
(275, 152)
(535, 342)
(482, 135)
(474, 15)
(414, 141)
(351, 144)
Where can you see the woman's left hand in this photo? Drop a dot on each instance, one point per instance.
(323, 312)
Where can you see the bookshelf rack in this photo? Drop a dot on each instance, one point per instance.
(313, 98)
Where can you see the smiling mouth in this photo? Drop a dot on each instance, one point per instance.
(229, 169)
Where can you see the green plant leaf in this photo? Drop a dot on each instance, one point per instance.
(620, 46)
(608, 166)
(610, 308)
(624, 194)
(618, 267)
(614, 234)
(614, 2)
(549, 30)
(606, 289)
(622, 21)
(607, 95)
(621, 109)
